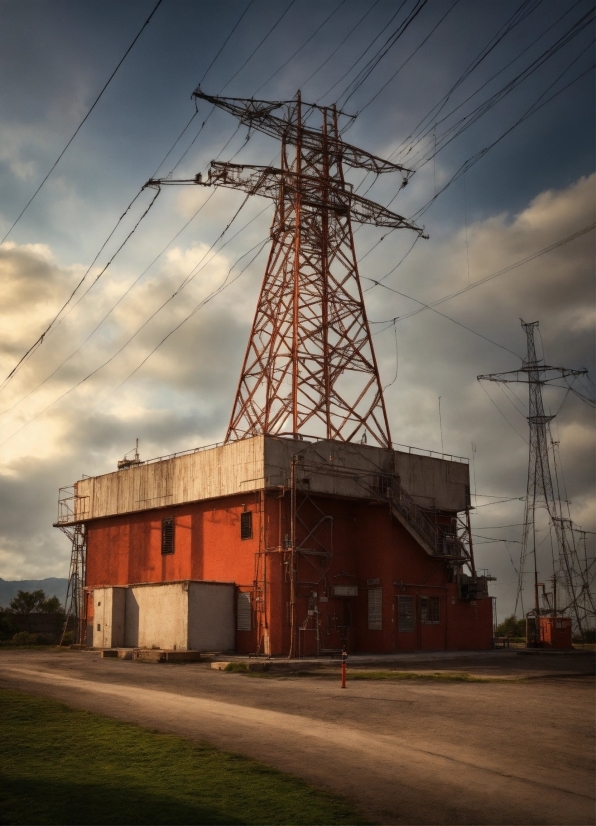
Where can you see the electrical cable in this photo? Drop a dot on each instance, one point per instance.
(365, 73)
(57, 318)
(261, 245)
(454, 131)
(516, 18)
(77, 130)
(502, 271)
(111, 310)
(502, 414)
(467, 165)
(357, 61)
(427, 130)
(416, 50)
(306, 42)
(221, 48)
(250, 57)
(89, 375)
(334, 52)
(428, 307)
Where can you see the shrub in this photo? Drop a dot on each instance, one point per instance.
(24, 638)
(7, 627)
(512, 627)
(68, 638)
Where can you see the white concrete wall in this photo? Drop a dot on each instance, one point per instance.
(264, 461)
(157, 616)
(109, 617)
(205, 474)
(211, 616)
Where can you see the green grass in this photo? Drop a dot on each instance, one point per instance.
(60, 765)
(442, 676)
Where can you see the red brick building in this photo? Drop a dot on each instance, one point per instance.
(328, 544)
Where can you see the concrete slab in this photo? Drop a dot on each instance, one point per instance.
(157, 655)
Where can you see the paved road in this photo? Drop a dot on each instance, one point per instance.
(408, 752)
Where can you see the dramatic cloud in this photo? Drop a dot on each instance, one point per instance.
(86, 394)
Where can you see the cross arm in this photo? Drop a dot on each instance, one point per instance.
(523, 374)
(268, 181)
(258, 114)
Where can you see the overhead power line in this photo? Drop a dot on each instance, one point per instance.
(78, 129)
(59, 315)
(510, 267)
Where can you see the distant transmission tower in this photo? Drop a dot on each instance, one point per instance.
(310, 365)
(574, 595)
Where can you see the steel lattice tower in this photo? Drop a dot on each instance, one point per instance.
(540, 492)
(310, 365)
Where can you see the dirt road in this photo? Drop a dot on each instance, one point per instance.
(408, 752)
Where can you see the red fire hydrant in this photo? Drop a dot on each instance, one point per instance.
(344, 667)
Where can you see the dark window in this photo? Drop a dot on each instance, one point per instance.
(167, 535)
(405, 613)
(430, 609)
(246, 525)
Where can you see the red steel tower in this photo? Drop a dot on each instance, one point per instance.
(310, 365)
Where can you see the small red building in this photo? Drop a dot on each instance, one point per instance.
(328, 544)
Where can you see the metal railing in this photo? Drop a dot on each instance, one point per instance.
(434, 454)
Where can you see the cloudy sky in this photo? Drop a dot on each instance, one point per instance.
(529, 102)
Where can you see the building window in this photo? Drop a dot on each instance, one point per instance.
(375, 609)
(405, 613)
(167, 535)
(430, 609)
(244, 618)
(246, 525)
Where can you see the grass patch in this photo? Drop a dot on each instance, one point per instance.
(236, 668)
(439, 676)
(61, 765)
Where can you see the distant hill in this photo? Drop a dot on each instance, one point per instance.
(53, 587)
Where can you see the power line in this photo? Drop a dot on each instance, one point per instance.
(516, 18)
(334, 52)
(255, 50)
(77, 130)
(454, 131)
(57, 318)
(502, 414)
(89, 375)
(474, 65)
(428, 307)
(261, 245)
(382, 52)
(357, 61)
(306, 42)
(467, 165)
(416, 50)
(510, 267)
(210, 66)
(111, 310)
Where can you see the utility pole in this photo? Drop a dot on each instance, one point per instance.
(310, 366)
(540, 492)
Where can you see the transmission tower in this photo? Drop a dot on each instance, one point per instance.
(576, 598)
(310, 365)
